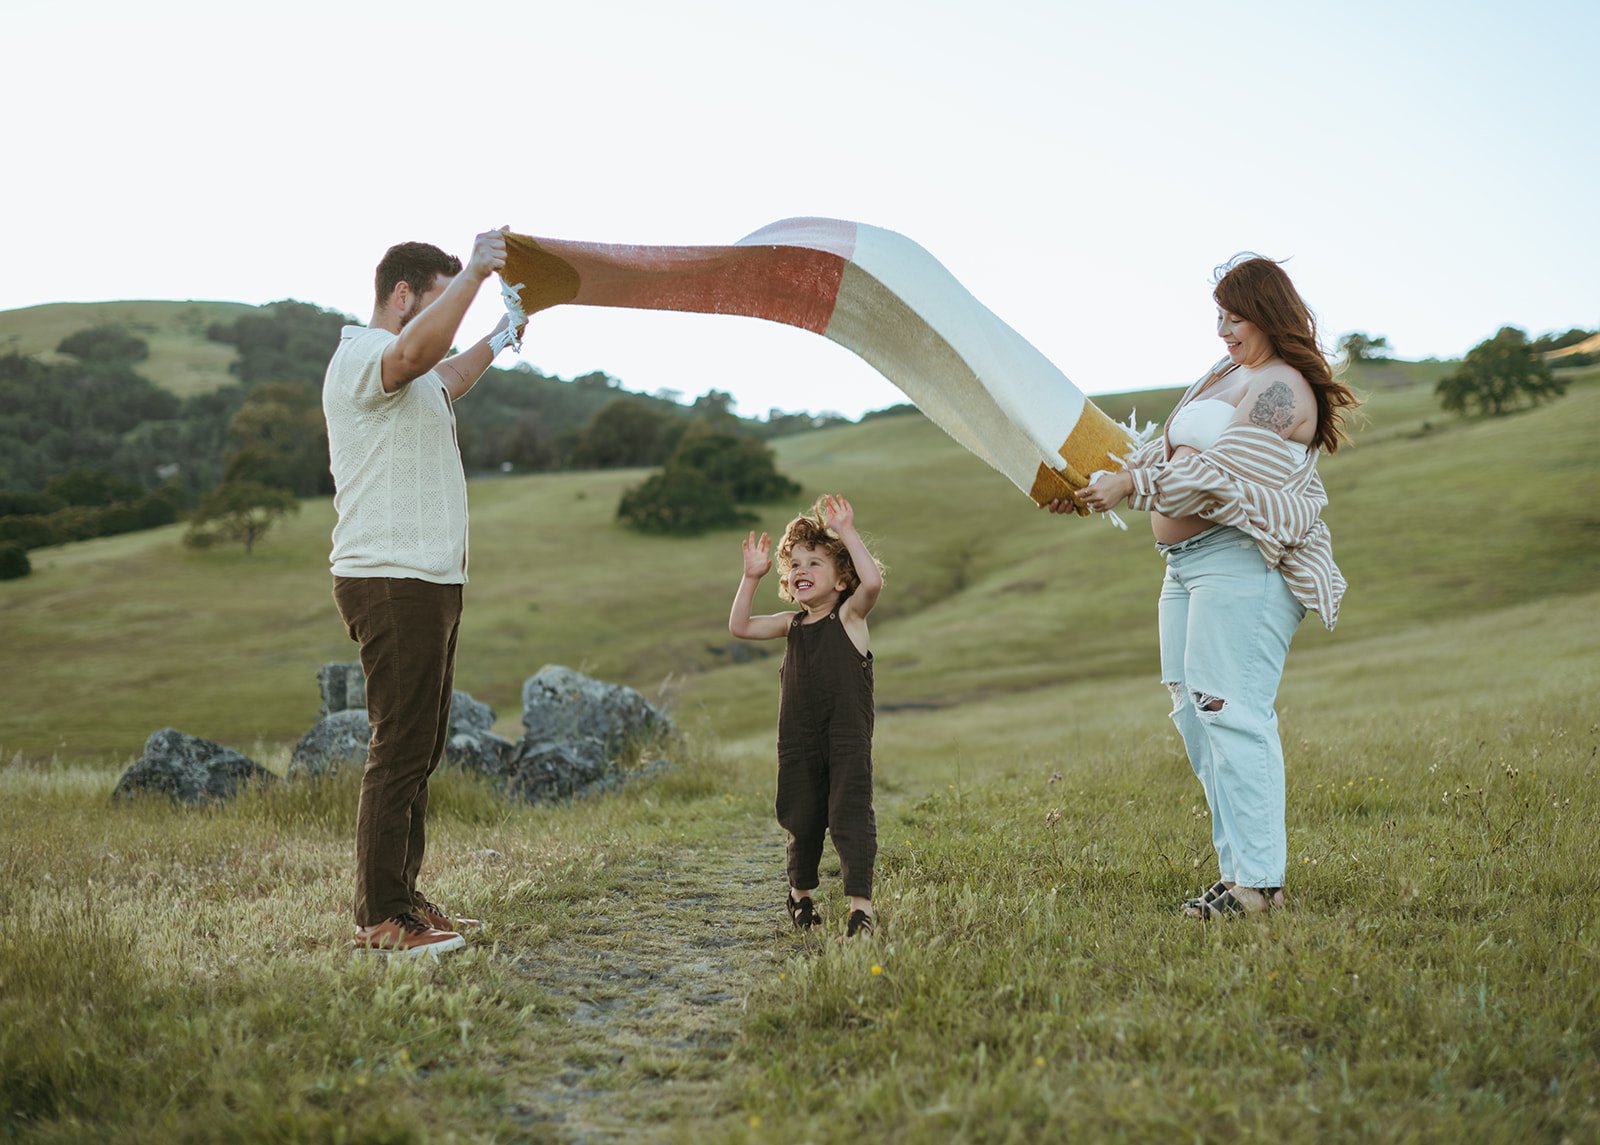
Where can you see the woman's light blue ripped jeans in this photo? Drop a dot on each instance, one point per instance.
(1226, 621)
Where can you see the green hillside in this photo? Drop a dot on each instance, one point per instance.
(182, 359)
(1032, 980)
(1434, 519)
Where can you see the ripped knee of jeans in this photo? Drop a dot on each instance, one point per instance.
(1176, 688)
(1207, 704)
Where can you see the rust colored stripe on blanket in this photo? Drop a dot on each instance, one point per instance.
(793, 285)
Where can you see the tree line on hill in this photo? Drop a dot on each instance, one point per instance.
(1359, 346)
(1497, 375)
(91, 447)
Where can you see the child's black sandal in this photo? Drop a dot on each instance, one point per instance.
(802, 911)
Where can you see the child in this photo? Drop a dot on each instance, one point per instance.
(825, 699)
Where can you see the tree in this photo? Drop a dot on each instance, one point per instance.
(1544, 343)
(1499, 375)
(1361, 347)
(279, 438)
(284, 341)
(238, 511)
(714, 405)
(626, 433)
(523, 442)
(93, 487)
(1558, 348)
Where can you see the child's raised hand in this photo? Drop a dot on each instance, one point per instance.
(837, 513)
(757, 555)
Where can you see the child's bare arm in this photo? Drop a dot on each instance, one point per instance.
(757, 563)
(841, 518)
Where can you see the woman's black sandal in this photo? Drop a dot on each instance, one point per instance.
(1227, 905)
(858, 922)
(1214, 891)
(802, 911)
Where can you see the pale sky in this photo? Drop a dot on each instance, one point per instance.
(1430, 170)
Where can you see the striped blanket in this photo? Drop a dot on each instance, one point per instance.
(876, 293)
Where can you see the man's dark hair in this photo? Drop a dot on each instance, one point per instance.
(416, 265)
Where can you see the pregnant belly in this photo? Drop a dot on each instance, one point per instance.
(1171, 530)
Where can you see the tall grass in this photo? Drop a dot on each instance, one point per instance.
(1434, 979)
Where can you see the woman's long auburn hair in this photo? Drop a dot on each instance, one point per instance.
(1257, 289)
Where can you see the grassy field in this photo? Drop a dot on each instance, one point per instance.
(178, 975)
(182, 359)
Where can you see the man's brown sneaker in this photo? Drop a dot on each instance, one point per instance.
(434, 915)
(405, 936)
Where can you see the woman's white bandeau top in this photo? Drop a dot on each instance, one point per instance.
(1201, 422)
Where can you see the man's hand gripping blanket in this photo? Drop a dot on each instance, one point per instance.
(879, 295)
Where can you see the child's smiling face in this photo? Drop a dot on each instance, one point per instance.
(812, 576)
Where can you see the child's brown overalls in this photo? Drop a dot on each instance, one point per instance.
(825, 715)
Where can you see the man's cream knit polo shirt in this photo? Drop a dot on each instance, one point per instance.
(401, 494)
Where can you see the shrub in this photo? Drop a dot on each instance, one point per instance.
(708, 476)
(13, 561)
(743, 465)
(120, 518)
(27, 504)
(32, 532)
(682, 502)
(75, 523)
(94, 487)
(105, 344)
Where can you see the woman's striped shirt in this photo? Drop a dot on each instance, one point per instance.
(1260, 484)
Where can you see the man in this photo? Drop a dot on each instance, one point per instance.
(400, 560)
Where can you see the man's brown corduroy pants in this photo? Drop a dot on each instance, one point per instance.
(407, 631)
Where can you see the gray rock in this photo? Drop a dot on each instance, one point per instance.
(482, 752)
(469, 715)
(342, 738)
(343, 731)
(577, 727)
(190, 770)
(566, 706)
(343, 687)
(336, 740)
(552, 771)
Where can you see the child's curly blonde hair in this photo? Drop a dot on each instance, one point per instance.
(808, 530)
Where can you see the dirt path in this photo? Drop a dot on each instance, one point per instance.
(651, 989)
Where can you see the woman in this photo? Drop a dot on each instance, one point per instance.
(1235, 502)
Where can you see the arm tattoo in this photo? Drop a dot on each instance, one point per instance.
(1274, 409)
